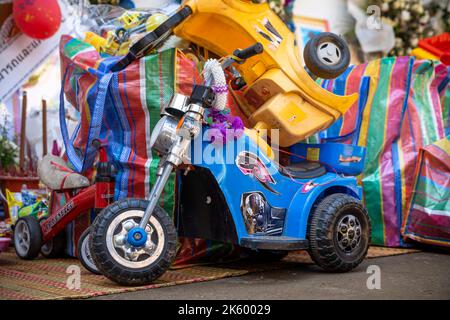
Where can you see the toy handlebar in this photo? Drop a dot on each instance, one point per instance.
(249, 52)
(152, 39)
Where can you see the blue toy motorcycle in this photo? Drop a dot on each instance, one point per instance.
(236, 192)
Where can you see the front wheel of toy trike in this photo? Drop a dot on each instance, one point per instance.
(118, 256)
(339, 233)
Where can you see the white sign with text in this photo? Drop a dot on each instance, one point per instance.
(22, 55)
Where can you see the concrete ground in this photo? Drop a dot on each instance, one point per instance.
(410, 276)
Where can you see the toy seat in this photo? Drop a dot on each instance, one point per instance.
(304, 170)
(56, 175)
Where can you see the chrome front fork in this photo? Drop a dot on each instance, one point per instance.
(188, 131)
(155, 193)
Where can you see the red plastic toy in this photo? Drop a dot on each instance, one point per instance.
(66, 204)
(439, 46)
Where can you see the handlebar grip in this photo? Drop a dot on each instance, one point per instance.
(249, 52)
(152, 39)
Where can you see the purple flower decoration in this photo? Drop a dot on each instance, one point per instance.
(224, 127)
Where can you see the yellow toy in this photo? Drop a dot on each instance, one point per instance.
(108, 45)
(113, 47)
(118, 42)
(14, 201)
(154, 21)
(137, 24)
(423, 54)
(95, 40)
(280, 94)
(135, 20)
(130, 19)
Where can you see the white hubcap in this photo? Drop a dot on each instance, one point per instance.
(22, 238)
(126, 254)
(329, 53)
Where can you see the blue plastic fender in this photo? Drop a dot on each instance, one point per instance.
(296, 223)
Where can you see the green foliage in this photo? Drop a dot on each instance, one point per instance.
(8, 149)
(413, 20)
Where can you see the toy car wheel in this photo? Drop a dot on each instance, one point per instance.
(54, 247)
(27, 238)
(115, 252)
(339, 233)
(84, 252)
(326, 55)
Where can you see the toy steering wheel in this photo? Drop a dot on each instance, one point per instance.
(151, 40)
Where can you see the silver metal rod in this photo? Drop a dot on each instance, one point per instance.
(156, 193)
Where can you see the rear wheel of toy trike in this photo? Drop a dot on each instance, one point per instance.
(27, 238)
(54, 247)
(115, 254)
(84, 252)
(339, 233)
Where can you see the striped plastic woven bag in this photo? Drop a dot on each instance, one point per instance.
(402, 112)
(428, 217)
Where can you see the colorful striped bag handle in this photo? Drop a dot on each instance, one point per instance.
(83, 162)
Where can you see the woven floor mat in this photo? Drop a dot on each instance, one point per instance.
(47, 278)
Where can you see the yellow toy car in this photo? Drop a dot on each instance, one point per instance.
(279, 92)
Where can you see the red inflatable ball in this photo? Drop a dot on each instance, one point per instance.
(38, 19)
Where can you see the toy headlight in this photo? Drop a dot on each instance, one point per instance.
(164, 134)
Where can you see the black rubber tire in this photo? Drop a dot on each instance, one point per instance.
(57, 246)
(34, 229)
(318, 67)
(117, 272)
(87, 261)
(322, 232)
(267, 255)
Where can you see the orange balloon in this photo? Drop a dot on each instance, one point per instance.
(39, 19)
